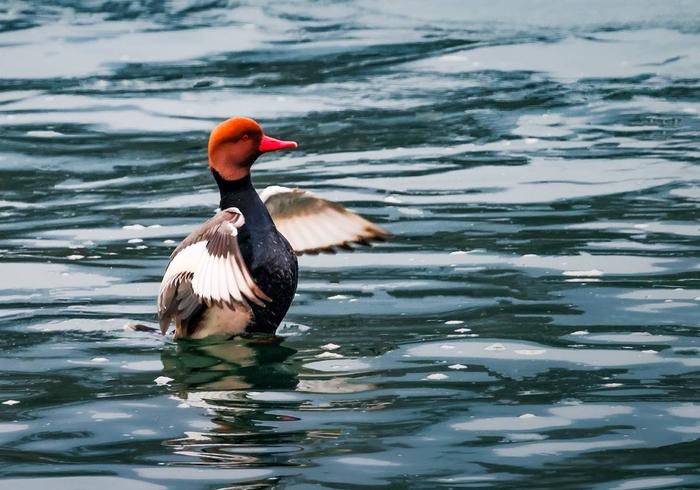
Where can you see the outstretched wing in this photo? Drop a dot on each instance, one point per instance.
(312, 225)
(207, 268)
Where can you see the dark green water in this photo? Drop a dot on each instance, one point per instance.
(534, 323)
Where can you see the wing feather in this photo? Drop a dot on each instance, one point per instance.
(289, 232)
(312, 224)
(207, 268)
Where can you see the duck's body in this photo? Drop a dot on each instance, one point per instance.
(269, 256)
(237, 273)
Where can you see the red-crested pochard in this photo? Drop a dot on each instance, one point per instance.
(237, 273)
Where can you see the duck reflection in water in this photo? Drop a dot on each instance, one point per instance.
(217, 376)
(228, 369)
(228, 365)
(245, 387)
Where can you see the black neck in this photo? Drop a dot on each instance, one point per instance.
(242, 195)
(232, 191)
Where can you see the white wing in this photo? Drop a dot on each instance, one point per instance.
(207, 268)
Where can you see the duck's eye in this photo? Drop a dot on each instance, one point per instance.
(245, 137)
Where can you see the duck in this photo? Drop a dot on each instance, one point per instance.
(237, 273)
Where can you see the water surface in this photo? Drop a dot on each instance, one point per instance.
(533, 324)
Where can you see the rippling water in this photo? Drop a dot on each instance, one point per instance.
(534, 322)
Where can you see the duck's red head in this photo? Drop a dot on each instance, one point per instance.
(236, 143)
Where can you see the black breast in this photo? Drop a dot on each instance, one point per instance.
(269, 257)
(273, 265)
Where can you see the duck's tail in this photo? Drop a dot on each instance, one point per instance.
(140, 327)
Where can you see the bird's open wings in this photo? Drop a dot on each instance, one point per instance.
(207, 268)
(312, 225)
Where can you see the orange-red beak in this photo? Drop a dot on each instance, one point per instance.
(271, 144)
